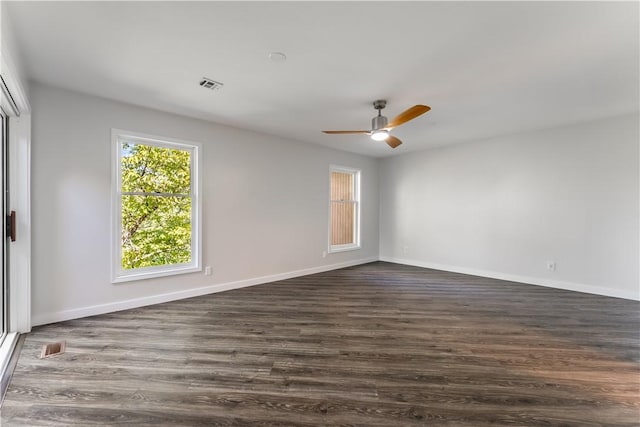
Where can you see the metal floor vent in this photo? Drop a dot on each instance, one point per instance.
(53, 349)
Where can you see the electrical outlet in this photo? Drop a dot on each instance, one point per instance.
(207, 270)
(324, 254)
(551, 265)
(405, 250)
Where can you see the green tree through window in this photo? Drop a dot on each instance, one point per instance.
(156, 204)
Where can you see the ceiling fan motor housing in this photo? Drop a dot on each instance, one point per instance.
(378, 122)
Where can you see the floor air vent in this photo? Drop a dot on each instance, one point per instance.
(52, 349)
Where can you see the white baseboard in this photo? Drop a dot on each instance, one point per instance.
(549, 283)
(76, 313)
(59, 316)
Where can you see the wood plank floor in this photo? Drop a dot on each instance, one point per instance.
(374, 345)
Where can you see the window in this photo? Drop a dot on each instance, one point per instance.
(344, 228)
(156, 207)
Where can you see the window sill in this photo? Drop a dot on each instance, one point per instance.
(343, 248)
(151, 273)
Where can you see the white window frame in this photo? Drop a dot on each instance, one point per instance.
(118, 274)
(356, 226)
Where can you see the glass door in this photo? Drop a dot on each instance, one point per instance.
(3, 215)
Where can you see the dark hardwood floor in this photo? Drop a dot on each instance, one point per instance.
(373, 345)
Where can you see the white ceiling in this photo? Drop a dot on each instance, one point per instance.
(485, 68)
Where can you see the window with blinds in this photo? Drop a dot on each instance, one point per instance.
(344, 227)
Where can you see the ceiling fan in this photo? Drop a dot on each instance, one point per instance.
(380, 126)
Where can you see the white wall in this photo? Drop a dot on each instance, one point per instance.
(499, 208)
(505, 206)
(265, 206)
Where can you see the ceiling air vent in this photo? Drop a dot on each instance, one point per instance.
(207, 83)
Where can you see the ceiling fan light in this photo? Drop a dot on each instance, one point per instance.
(380, 135)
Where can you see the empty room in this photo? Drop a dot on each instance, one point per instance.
(297, 214)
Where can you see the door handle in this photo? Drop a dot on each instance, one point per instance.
(11, 226)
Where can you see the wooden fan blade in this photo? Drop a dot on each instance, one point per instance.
(393, 141)
(407, 115)
(336, 132)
